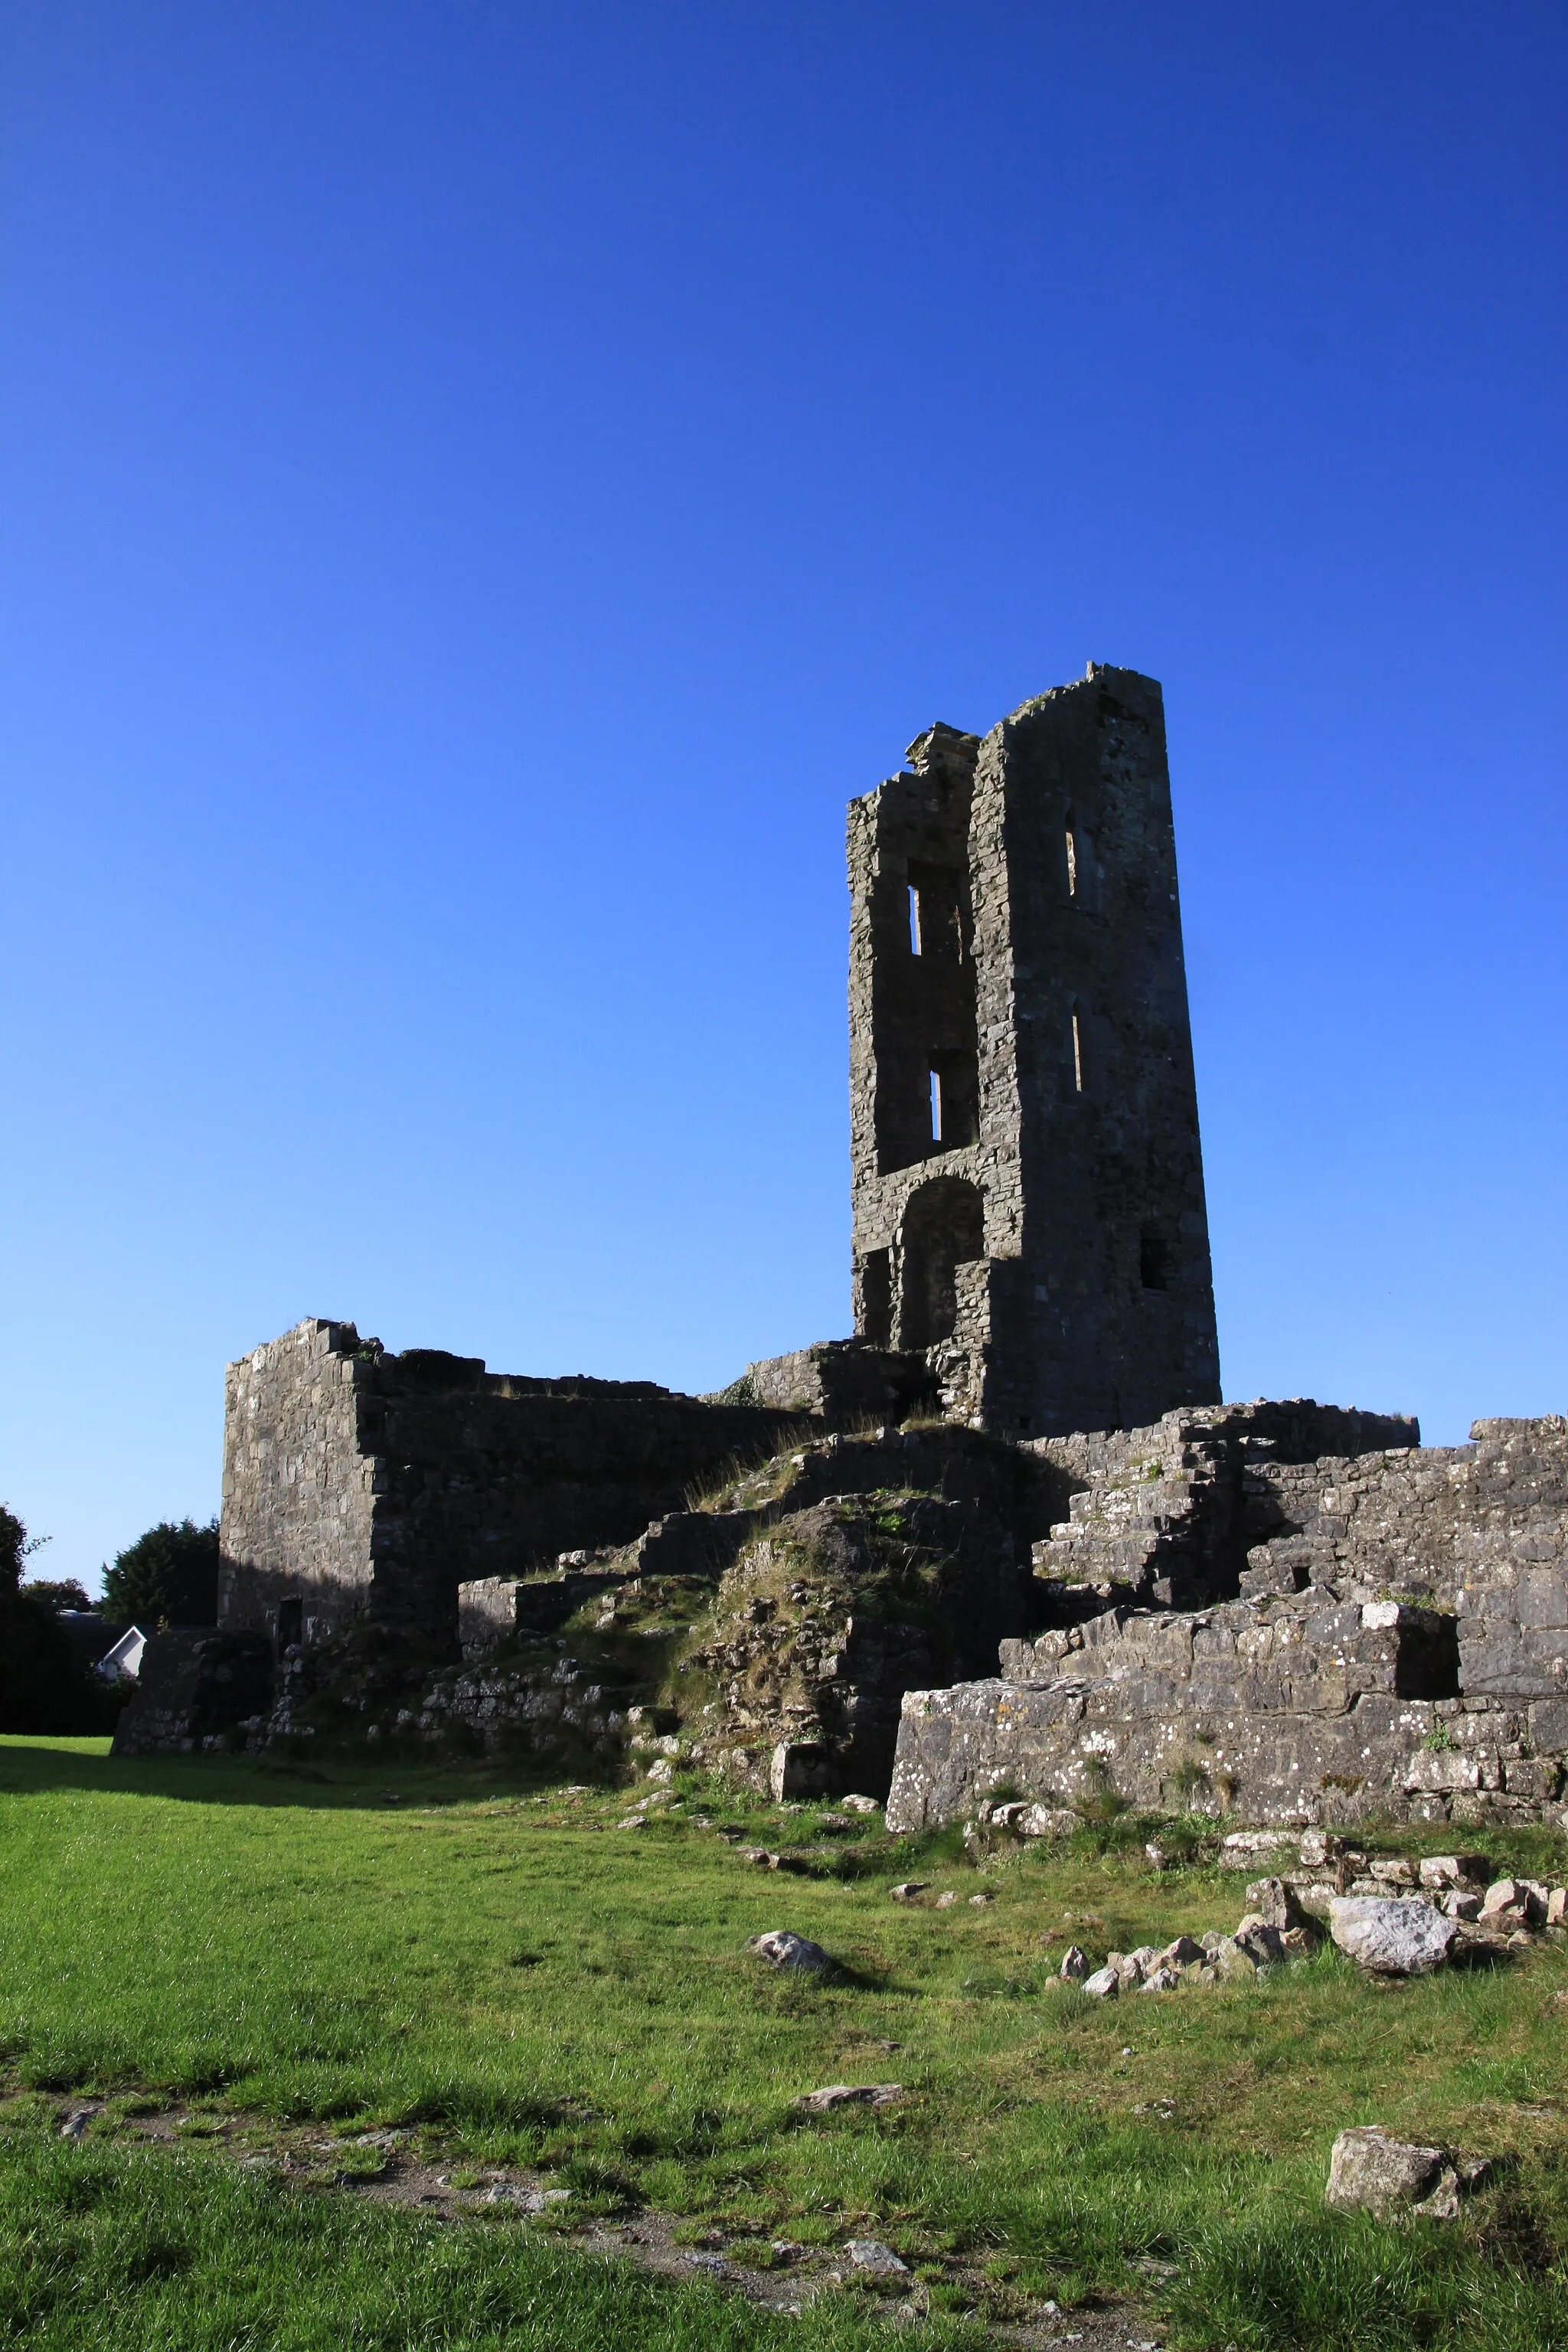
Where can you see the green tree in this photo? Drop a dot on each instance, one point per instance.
(46, 1686)
(13, 1550)
(171, 1573)
(63, 1593)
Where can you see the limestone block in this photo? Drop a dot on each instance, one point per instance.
(1392, 1937)
(1368, 2167)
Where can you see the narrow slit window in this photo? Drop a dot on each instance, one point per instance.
(1072, 859)
(936, 1105)
(1076, 1051)
(914, 920)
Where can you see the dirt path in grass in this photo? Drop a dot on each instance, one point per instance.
(389, 2167)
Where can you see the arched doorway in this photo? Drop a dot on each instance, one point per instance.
(944, 1227)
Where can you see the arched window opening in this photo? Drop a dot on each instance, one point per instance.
(944, 1228)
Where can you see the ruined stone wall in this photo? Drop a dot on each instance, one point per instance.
(1027, 1184)
(363, 1484)
(1480, 1530)
(300, 1492)
(844, 1383)
(1400, 1646)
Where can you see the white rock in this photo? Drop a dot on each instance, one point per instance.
(785, 1950)
(1103, 1985)
(526, 2199)
(1392, 1938)
(1047, 1822)
(869, 2254)
(859, 1804)
(1074, 1965)
(1369, 2166)
(1161, 1980)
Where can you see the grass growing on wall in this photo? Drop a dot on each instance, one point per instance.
(526, 1982)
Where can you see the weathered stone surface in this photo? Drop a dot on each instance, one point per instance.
(1320, 1698)
(1103, 1984)
(1392, 1938)
(359, 1483)
(1181, 1953)
(795, 1954)
(830, 1613)
(851, 2095)
(1452, 1869)
(1275, 1903)
(1016, 955)
(196, 1690)
(1368, 2168)
(870, 2255)
(842, 1383)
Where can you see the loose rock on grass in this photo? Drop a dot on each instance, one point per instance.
(1369, 2167)
(1393, 1937)
(852, 2094)
(870, 2255)
(794, 1953)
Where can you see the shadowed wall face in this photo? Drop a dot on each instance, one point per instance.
(362, 1485)
(1028, 1194)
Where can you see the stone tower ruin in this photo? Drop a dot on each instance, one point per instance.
(1028, 1179)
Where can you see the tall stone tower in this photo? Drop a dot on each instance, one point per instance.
(1028, 1189)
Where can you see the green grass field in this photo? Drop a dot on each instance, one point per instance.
(523, 1982)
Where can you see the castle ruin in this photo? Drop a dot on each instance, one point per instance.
(1005, 1533)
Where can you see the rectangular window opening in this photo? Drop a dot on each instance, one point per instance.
(936, 929)
(955, 1102)
(877, 1297)
(1076, 1052)
(1154, 1262)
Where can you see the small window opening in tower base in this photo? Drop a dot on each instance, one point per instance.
(1072, 859)
(1154, 1261)
(290, 1622)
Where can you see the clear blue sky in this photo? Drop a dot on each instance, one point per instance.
(484, 485)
